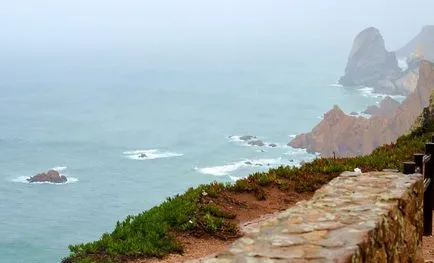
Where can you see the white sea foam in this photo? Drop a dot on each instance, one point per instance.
(236, 139)
(361, 114)
(59, 168)
(23, 179)
(369, 92)
(234, 178)
(337, 85)
(223, 170)
(150, 154)
(402, 63)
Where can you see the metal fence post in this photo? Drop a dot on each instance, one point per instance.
(409, 167)
(418, 159)
(428, 195)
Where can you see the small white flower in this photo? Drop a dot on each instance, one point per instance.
(358, 170)
(204, 193)
(191, 222)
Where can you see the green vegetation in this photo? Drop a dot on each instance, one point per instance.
(152, 233)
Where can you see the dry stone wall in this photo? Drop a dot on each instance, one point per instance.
(369, 217)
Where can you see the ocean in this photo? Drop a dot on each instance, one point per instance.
(90, 116)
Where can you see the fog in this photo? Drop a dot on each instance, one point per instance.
(199, 26)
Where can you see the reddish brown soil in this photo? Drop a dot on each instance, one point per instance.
(428, 247)
(245, 207)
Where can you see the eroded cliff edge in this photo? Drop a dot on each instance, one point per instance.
(344, 135)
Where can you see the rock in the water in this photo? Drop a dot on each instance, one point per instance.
(272, 145)
(386, 107)
(256, 143)
(370, 64)
(143, 155)
(354, 113)
(51, 176)
(247, 137)
(248, 163)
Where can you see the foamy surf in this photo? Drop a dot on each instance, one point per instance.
(361, 114)
(237, 139)
(336, 85)
(234, 178)
(150, 154)
(224, 170)
(402, 63)
(369, 92)
(23, 179)
(59, 168)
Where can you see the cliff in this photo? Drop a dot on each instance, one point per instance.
(385, 108)
(349, 136)
(370, 64)
(422, 45)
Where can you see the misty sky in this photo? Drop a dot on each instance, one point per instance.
(28, 25)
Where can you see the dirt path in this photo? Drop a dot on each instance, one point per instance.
(428, 247)
(249, 212)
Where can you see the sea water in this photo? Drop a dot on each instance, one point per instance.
(129, 131)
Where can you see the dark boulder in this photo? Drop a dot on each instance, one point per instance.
(247, 137)
(256, 143)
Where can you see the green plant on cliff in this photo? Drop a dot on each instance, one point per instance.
(150, 234)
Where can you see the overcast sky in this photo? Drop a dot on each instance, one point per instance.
(80, 24)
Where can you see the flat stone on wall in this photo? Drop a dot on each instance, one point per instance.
(370, 217)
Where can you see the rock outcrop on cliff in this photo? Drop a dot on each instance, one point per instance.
(421, 45)
(386, 107)
(370, 64)
(349, 136)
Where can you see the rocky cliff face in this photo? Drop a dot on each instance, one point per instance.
(385, 108)
(370, 64)
(421, 45)
(348, 135)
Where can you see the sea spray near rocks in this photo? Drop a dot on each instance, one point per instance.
(150, 154)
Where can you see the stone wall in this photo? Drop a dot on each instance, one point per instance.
(370, 217)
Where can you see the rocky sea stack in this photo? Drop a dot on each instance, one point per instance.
(370, 64)
(51, 176)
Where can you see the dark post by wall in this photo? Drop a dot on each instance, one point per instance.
(369, 217)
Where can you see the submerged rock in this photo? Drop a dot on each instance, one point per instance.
(247, 137)
(143, 155)
(256, 143)
(272, 145)
(51, 176)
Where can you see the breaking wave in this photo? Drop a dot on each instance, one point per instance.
(369, 92)
(150, 154)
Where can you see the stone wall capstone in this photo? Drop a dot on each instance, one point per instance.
(369, 217)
